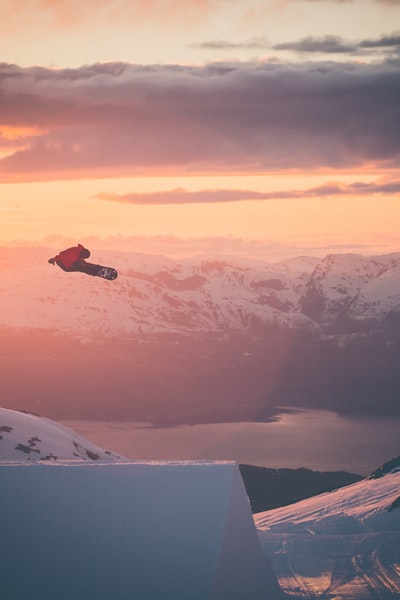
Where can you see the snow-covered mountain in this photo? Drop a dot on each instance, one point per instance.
(28, 437)
(155, 294)
(201, 339)
(350, 287)
(341, 545)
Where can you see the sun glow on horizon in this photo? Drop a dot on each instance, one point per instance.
(72, 210)
(298, 126)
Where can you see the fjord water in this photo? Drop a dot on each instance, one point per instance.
(315, 439)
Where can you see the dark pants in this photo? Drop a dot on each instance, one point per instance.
(81, 266)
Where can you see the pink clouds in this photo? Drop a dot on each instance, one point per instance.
(182, 196)
(122, 119)
(229, 245)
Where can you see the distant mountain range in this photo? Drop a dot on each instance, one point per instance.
(269, 488)
(339, 294)
(202, 339)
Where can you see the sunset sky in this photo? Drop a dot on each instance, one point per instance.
(264, 127)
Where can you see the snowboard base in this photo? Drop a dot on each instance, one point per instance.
(105, 272)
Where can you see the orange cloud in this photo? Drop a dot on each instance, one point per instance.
(16, 138)
(17, 132)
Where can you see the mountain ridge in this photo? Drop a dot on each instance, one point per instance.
(200, 340)
(339, 294)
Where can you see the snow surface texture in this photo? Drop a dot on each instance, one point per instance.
(155, 294)
(343, 545)
(91, 528)
(129, 530)
(100, 526)
(27, 437)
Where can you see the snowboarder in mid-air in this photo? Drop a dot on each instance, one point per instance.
(73, 259)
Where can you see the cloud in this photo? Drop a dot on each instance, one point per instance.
(226, 247)
(329, 44)
(385, 41)
(182, 196)
(332, 44)
(115, 119)
(252, 44)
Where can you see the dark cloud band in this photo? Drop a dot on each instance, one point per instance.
(123, 119)
(327, 44)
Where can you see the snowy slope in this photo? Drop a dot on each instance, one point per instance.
(155, 294)
(81, 522)
(340, 545)
(152, 294)
(27, 437)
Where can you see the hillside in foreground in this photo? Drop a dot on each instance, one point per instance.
(343, 544)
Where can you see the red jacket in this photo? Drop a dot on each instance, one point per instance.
(69, 256)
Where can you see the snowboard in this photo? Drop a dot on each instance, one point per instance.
(105, 272)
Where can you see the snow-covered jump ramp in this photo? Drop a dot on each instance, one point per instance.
(129, 530)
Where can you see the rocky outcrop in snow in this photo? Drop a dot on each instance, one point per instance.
(349, 291)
